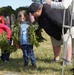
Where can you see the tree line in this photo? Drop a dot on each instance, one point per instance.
(7, 11)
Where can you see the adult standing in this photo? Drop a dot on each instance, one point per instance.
(64, 4)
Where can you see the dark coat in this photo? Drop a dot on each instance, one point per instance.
(51, 21)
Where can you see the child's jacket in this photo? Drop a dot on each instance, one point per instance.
(6, 29)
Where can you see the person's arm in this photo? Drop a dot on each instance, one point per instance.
(8, 32)
(59, 5)
(7, 29)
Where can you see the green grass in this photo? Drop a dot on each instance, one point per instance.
(44, 56)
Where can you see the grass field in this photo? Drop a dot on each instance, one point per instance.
(44, 56)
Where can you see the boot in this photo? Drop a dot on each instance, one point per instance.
(3, 57)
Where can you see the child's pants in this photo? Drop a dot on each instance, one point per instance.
(6, 54)
(28, 51)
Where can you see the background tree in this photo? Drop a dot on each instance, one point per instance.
(6, 11)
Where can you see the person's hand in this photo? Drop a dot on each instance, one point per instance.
(31, 18)
(48, 1)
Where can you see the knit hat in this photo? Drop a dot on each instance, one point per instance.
(34, 7)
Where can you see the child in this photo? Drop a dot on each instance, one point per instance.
(5, 54)
(26, 47)
(7, 23)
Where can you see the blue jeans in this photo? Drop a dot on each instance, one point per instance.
(28, 51)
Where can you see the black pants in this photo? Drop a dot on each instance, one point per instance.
(5, 55)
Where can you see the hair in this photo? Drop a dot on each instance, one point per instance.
(34, 7)
(23, 13)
